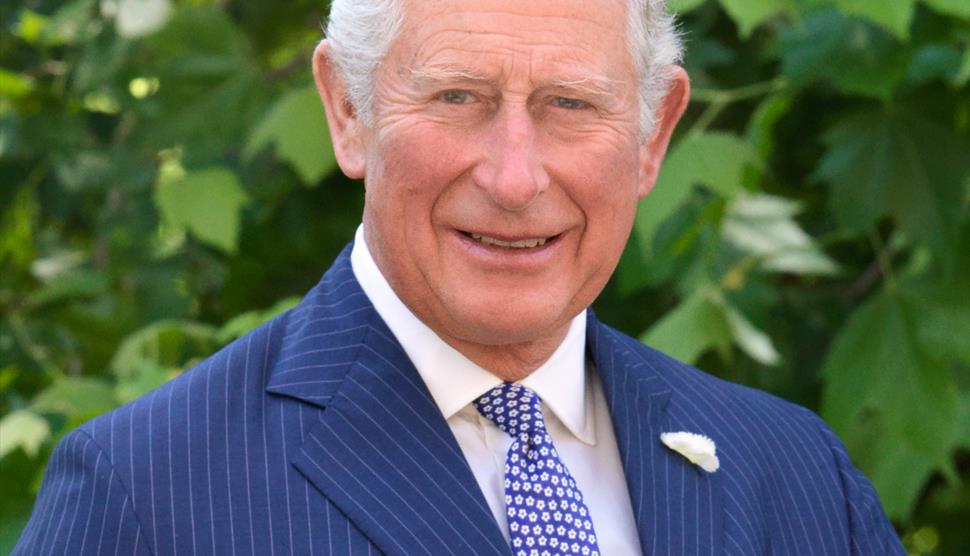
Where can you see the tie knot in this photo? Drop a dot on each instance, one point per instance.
(515, 409)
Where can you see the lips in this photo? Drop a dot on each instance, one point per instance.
(519, 244)
(509, 243)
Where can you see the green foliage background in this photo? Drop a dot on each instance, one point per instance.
(166, 183)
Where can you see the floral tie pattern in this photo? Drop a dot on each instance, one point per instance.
(546, 512)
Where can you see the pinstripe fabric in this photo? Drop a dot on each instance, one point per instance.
(785, 483)
(315, 435)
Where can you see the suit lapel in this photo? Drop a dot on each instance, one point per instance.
(381, 450)
(675, 503)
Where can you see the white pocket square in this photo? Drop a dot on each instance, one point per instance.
(697, 448)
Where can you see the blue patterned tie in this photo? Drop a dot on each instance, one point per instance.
(547, 515)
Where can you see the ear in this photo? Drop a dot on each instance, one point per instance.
(346, 129)
(671, 108)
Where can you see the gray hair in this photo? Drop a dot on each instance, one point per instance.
(360, 33)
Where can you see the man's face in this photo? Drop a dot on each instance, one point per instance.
(503, 167)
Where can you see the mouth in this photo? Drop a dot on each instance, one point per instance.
(511, 244)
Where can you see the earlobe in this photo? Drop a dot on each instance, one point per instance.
(654, 149)
(346, 129)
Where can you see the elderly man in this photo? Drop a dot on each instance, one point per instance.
(444, 389)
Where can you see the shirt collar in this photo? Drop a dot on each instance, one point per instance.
(455, 381)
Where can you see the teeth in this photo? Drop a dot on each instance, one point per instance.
(520, 244)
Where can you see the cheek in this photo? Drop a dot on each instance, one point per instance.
(604, 187)
(420, 163)
(410, 172)
(603, 182)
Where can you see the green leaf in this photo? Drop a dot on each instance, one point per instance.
(151, 356)
(877, 369)
(13, 521)
(760, 132)
(876, 364)
(764, 226)
(9, 124)
(894, 16)
(958, 8)
(753, 341)
(241, 324)
(962, 76)
(57, 264)
(888, 162)
(963, 420)
(943, 326)
(935, 61)
(200, 41)
(897, 470)
(684, 246)
(17, 229)
(714, 159)
(859, 58)
(169, 344)
(748, 14)
(78, 398)
(696, 325)
(72, 22)
(142, 380)
(98, 68)
(23, 429)
(704, 58)
(77, 284)
(632, 273)
(8, 375)
(14, 85)
(69, 24)
(210, 88)
(30, 26)
(207, 203)
(942, 292)
(297, 126)
(683, 6)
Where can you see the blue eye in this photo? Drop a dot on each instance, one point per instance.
(456, 97)
(569, 103)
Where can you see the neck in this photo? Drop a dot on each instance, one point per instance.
(511, 363)
(508, 360)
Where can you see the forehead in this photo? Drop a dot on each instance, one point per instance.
(577, 38)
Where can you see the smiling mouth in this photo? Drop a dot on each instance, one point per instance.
(526, 243)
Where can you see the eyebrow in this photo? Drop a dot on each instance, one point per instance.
(597, 87)
(600, 87)
(429, 75)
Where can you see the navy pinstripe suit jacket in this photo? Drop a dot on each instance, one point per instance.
(314, 434)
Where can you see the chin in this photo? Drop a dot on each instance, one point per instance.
(509, 322)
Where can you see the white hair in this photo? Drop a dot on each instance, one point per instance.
(360, 33)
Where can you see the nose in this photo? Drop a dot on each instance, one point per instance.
(511, 170)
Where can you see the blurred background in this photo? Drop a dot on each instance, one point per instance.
(167, 183)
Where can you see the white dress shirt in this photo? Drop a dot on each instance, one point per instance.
(574, 407)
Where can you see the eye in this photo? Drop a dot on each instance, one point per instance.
(456, 97)
(569, 103)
